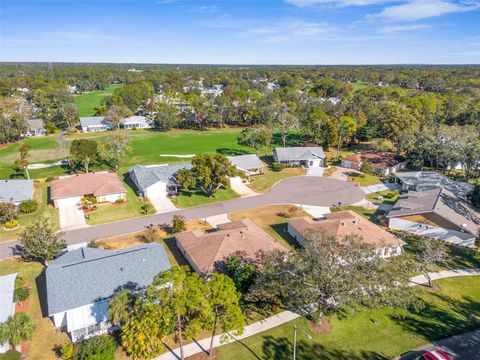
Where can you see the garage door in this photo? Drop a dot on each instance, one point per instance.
(70, 213)
(157, 194)
(68, 201)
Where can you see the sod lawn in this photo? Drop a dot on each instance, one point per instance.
(196, 198)
(372, 334)
(363, 179)
(263, 182)
(87, 102)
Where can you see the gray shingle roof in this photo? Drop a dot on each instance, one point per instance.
(35, 124)
(7, 286)
(83, 276)
(299, 153)
(16, 190)
(136, 119)
(93, 121)
(441, 202)
(246, 162)
(146, 176)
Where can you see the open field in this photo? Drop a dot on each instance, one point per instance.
(453, 309)
(87, 102)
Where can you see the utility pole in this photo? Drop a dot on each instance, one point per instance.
(309, 337)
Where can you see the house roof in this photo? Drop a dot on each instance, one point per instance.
(441, 202)
(135, 119)
(87, 275)
(347, 223)
(378, 159)
(35, 124)
(7, 287)
(246, 162)
(94, 183)
(427, 180)
(16, 190)
(146, 176)
(93, 121)
(299, 153)
(208, 250)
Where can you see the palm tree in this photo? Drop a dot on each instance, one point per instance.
(17, 329)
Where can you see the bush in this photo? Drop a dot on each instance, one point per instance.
(178, 223)
(21, 294)
(11, 355)
(12, 224)
(98, 348)
(67, 351)
(277, 166)
(119, 201)
(49, 179)
(28, 206)
(50, 128)
(474, 196)
(366, 168)
(8, 212)
(145, 209)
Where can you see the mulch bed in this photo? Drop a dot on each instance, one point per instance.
(322, 328)
(203, 356)
(23, 307)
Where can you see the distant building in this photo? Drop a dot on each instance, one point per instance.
(95, 123)
(16, 191)
(136, 122)
(250, 164)
(436, 213)
(300, 156)
(80, 283)
(35, 128)
(382, 163)
(207, 252)
(7, 305)
(348, 223)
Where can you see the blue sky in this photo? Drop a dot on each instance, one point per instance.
(242, 32)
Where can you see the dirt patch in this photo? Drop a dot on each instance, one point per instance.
(203, 356)
(322, 328)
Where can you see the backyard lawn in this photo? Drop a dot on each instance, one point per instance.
(196, 198)
(87, 102)
(372, 334)
(44, 209)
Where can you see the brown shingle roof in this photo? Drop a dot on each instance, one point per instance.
(347, 223)
(97, 184)
(379, 159)
(208, 251)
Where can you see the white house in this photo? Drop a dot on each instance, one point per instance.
(312, 156)
(136, 122)
(80, 283)
(7, 305)
(382, 163)
(35, 128)
(15, 191)
(250, 164)
(94, 123)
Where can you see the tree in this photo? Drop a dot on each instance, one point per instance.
(430, 252)
(327, 276)
(318, 126)
(347, 127)
(120, 306)
(225, 303)
(98, 348)
(21, 164)
(209, 173)
(181, 296)
(41, 241)
(8, 212)
(117, 113)
(286, 123)
(474, 196)
(17, 329)
(84, 151)
(366, 168)
(178, 223)
(242, 272)
(166, 117)
(255, 137)
(13, 120)
(117, 145)
(67, 116)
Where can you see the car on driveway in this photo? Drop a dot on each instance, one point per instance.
(434, 355)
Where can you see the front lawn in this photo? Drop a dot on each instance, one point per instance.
(383, 197)
(192, 198)
(363, 179)
(263, 182)
(372, 334)
(87, 102)
(44, 210)
(370, 214)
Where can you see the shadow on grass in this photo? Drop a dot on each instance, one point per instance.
(171, 244)
(232, 152)
(291, 140)
(41, 283)
(281, 229)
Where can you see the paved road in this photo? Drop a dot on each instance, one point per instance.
(304, 190)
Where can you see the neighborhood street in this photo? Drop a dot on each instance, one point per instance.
(303, 190)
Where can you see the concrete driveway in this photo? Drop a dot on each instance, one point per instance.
(71, 216)
(162, 203)
(240, 188)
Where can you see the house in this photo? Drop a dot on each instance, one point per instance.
(7, 305)
(207, 252)
(348, 223)
(427, 180)
(438, 214)
(15, 191)
(155, 181)
(300, 156)
(382, 163)
(136, 122)
(105, 186)
(95, 123)
(80, 283)
(35, 128)
(250, 164)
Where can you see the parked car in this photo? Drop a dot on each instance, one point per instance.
(434, 355)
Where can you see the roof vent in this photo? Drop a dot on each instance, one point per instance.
(343, 223)
(121, 269)
(242, 234)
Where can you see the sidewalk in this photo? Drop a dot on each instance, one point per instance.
(421, 279)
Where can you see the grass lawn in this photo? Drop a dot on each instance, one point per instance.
(359, 85)
(46, 336)
(196, 198)
(273, 220)
(363, 179)
(263, 182)
(87, 102)
(44, 209)
(328, 172)
(387, 197)
(453, 309)
(371, 214)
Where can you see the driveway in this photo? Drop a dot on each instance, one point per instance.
(162, 203)
(71, 215)
(240, 188)
(303, 190)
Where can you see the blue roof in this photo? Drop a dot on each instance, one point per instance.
(146, 176)
(16, 190)
(93, 121)
(7, 286)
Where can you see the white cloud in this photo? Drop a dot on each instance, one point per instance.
(421, 9)
(402, 28)
(204, 9)
(308, 3)
(298, 30)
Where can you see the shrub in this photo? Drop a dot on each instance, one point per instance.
(67, 351)
(145, 209)
(12, 224)
(92, 244)
(119, 201)
(50, 128)
(474, 196)
(277, 166)
(366, 168)
(28, 206)
(21, 294)
(8, 212)
(11, 355)
(49, 179)
(178, 223)
(98, 348)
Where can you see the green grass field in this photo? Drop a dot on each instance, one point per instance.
(359, 85)
(87, 102)
(453, 309)
(197, 198)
